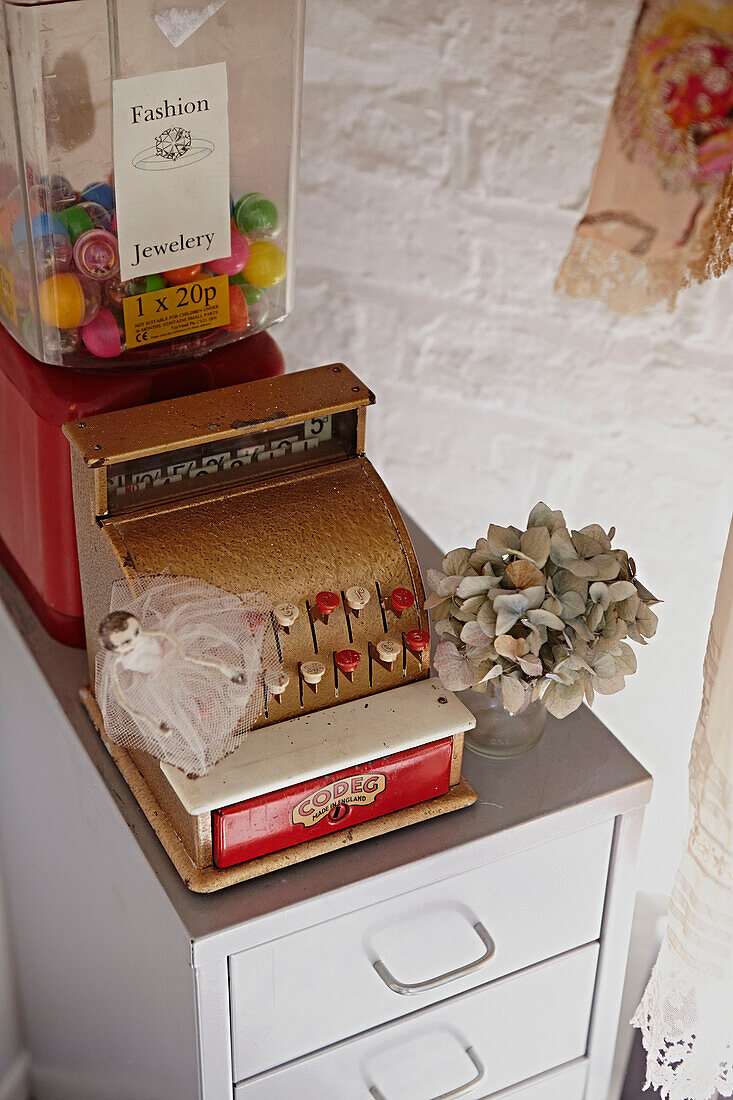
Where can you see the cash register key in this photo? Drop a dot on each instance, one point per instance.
(402, 599)
(286, 613)
(276, 682)
(357, 597)
(347, 660)
(388, 652)
(312, 672)
(417, 640)
(327, 602)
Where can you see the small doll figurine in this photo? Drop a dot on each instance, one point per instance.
(182, 669)
(138, 651)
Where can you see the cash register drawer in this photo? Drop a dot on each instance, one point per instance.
(496, 1036)
(329, 803)
(302, 992)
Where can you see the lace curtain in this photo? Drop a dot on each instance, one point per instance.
(686, 1013)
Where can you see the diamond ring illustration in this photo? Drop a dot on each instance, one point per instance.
(174, 143)
(173, 147)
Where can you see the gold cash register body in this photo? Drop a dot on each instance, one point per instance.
(266, 487)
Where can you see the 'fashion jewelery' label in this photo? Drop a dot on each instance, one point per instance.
(171, 169)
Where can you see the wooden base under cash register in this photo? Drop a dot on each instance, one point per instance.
(168, 821)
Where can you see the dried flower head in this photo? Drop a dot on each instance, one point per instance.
(540, 614)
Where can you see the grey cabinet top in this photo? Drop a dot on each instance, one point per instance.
(577, 775)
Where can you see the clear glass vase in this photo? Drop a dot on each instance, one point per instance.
(501, 734)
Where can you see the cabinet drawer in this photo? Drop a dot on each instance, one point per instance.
(502, 1033)
(294, 995)
(564, 1083)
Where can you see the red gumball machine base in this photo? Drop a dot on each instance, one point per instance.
(37, 533)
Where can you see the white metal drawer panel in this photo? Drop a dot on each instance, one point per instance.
(564, 1083)
(497, 1035)
(302, 992)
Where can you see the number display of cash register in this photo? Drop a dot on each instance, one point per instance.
(266, 488)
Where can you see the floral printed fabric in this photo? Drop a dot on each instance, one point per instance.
(657, 217)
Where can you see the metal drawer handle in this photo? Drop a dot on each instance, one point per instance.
(460, 1091)
(442, 979)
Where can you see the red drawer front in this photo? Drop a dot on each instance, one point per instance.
(307, 810)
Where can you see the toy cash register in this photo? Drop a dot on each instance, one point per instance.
(265, 487)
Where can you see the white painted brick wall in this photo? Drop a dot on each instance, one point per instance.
(447, 151)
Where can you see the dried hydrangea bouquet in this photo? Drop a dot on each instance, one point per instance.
(538, 619)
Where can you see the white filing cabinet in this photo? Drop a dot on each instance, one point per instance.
(479, 954)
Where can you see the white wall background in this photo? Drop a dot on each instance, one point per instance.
(447, 151)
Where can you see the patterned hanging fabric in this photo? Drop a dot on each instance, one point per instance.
(660, 212)
(686, 1013)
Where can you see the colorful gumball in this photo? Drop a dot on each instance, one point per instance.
(237, 258)
(99, 216)
(103, 193)
(42, 225)
(258, 309)
(266, 265)
(116, 291)
(76, 219)
(96, 254)
(238, 315)
(66, 301)
(258, 304)
(252, 294)
(255, 215)
(102, 336)
(148, 283)
(51, 244)
(186, 274)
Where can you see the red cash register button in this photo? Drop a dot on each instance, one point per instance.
(418, 640)
(402, 599)
(347, 660)
(327, 602)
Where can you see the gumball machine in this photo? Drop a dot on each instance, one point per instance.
(148, 159)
